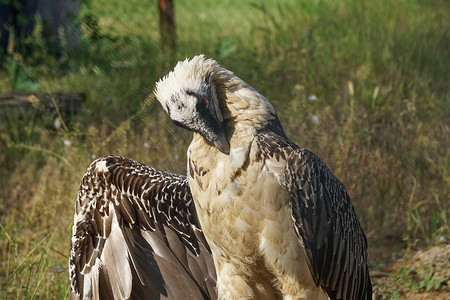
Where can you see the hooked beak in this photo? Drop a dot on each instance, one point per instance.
(217, 126)
(221, 142)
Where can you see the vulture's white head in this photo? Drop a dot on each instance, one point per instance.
(189, 97)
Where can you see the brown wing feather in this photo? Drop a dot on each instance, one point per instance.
(136, 235)
(328, 227)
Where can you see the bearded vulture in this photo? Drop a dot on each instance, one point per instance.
(279, 224)
(136, 236)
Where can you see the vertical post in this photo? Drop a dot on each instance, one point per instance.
(167, 23)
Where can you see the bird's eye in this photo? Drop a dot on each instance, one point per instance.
(206, 101)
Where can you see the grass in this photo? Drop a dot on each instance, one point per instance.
(406, 280)
(362, 84)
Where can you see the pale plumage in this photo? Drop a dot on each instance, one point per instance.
(136, 236)
(279, 224)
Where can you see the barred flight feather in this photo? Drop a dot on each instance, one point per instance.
(136, 235)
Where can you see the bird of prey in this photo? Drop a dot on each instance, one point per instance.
(136, 236)
(279, 224)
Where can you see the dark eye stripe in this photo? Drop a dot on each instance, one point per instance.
(198, 96)
(192, 93)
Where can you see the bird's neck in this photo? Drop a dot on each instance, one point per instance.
(242, 107)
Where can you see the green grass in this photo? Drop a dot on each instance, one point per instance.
(405, 280)
(379, 71)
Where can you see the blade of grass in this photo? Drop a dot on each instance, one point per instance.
(16, 269)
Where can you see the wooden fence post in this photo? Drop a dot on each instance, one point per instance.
(167, 24)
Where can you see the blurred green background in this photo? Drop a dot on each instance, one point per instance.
(363, 84)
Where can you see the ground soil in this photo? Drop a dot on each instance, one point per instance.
(401, 277)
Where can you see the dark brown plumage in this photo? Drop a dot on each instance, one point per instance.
(136, 235)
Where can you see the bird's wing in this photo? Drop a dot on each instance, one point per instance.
(136, 235)
(327, 225)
